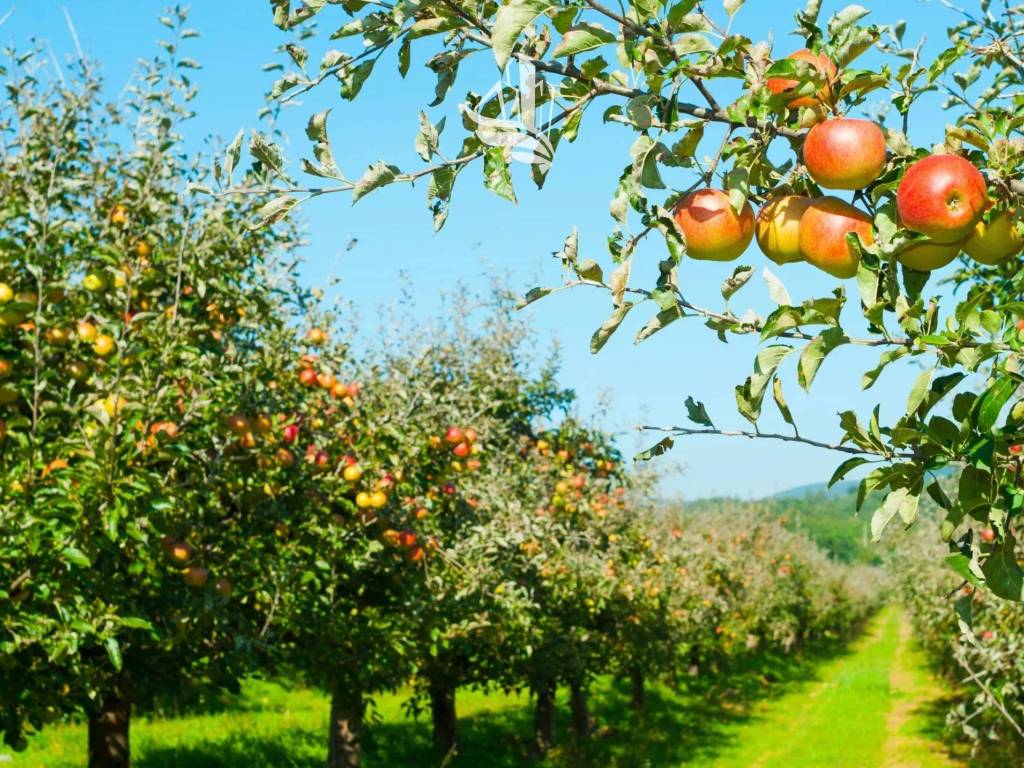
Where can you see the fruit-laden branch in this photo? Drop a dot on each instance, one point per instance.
(687, 431)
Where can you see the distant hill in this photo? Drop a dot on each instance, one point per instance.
(842, 488)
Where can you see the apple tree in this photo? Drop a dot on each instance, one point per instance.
(725, 124)
(130, 305)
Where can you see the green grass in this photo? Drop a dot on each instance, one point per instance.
(835, 707)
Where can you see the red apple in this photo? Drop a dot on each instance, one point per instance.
(454, 435)
(988, 535)
(822, 63)
(996, 240)
(196, 576)
(461, 450)
(778, 228)
(307, 377)
(823, 230)
(289, 434)
(843, 153)
(943, 197)
(223, 587)
(713, 230)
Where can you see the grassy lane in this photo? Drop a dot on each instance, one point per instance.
(870, 704)
(872, 707)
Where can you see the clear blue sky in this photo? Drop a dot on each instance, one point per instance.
(398, 250)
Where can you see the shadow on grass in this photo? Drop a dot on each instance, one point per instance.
(683, 726)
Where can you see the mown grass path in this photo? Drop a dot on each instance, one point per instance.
(871, 704)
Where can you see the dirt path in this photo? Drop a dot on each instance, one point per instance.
(875, 706)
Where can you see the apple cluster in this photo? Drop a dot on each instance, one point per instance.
(942, 199)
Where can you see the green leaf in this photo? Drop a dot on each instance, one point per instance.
(889, 356)
(740, 277)
(902, 502)
(992, 401)
(662, 446)
(510, 22)
(602, 334)
(657, 323)
(1003, 573)
(780, 402)
(114, 652)
(428, 137)
(697, 413)
(234, 152)
(815, 352)
(845, 468)
(76, 556)
(919, 390)
(532, 295)
(274, 210)
(582, 38)
(378, 175)
(497, 176)
(731, 6)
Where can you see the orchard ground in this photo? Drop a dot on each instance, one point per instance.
(872, 702)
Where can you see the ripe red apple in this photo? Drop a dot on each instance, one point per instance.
(996, 240)
(823, 230)
(926, 256)
(943, 197)
(415, 554)
(988, 535)
(307, 377)
(471, 435)
(196, 576)
(844, 153)
(290, 434)
(353, 389)
(407, 539)
(778, 228)
(822, 63)
(461, 450)
(713, 230)
(454, 435)
(449, 489)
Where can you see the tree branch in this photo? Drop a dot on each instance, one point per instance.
(687, 431)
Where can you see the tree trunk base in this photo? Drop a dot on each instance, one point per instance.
(638, 695)
(446, 723)
(580, 706)
(345, 727)
(544, 719)
(109, 745)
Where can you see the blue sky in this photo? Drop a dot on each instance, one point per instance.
(398, 250)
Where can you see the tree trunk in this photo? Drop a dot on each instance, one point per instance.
(636, 678)
(108, 732)
(580, 711)
(345, 727)
(442, 709)
(544, 717)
